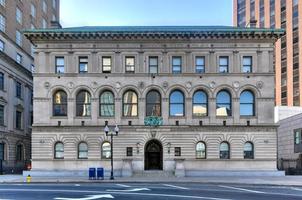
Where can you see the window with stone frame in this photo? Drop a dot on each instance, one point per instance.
(106, 64)
(60, 103)
(83, 64)
(2, 23)
(130, 64)
(106, 150)
(82, 150)
(107, 104)
(18, 90)
(224, 150)
(60, 65)
(248, 150)
(83, 102)
(18, 121)
(2, 151)
(153, 103)
(200, 64)
(130, 104)
(176, 64)
(153, 64)
(19, 152)
(59, 150)
(2, 115)
(1, 81)
(223, 64)
(247, 63)
(201, 150)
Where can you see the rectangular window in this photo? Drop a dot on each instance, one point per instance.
(297, 136)
(44, 23)
(200, 64)
(18, 15)
(176, 64)
(83, 64)
(1, 115)
(2, 3)
(153, 65)
(1, 81)
(19, 155)
(106, 64)
(44, 6)
(19, 38)
(224, 64)
(19, 58)
(247, 64)
(2, 23)
(129, 151)
(18, 89)
(33, 10)
(130, 64)
(177, 151)
(60, 68)
(1, 151)
(18, 119)
(2, 45)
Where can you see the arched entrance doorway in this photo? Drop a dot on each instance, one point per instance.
(153, 155)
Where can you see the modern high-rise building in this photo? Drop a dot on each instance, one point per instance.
(16, 84)
(286, 14)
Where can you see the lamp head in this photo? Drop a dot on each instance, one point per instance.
(116, 129)
(106, 129)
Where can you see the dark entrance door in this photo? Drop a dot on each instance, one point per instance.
(153, 155)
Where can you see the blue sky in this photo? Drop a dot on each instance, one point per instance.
(145, 12)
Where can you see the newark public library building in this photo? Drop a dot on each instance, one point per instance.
(187, 100)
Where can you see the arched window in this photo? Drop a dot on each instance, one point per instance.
(223, 104)
(19, 152)
(83, 104)
(153, 101)
(247, 103)
(200, 104)
(60, 103)
(224, 150)
(59, 150)
(248, 150)
(107, 104)
(200, 150)
(177, 103)
(106, 150)
(83, 150)
(130, 104)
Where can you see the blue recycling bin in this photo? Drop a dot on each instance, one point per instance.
(100, 173)
(91, 173)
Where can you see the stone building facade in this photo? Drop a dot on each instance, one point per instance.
(209, 89)
(16, 83)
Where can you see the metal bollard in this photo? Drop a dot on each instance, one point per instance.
(28, 179)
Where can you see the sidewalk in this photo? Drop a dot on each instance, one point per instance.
(281, 181)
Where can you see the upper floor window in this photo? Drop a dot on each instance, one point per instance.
(2, 3)
(248, 150)
(44, 23)
(223, 64)
(83, 64)
(130, 64)
(60, 103)
(2, 151)
(106, 64)
(223, 104)
(19, 38)
(19, 15)
(44, 6)
(1, 115)
(177, 103)
(60, 68)
(106, 150)
(20, 152)
(247, 64)
(224, 150)
(107, 104)
(19, 58)
(200, 64)
(18, 121)
(130, 104)
(200, 150)
(2, 45)
(83, 101)
(33, 10)
(247, 103)
(153, 64)
(1, 81)
(153, 103)
(18, 89)
(2, 23)
(176, 64)
(82, 150)
(59, 150)
(200, 104)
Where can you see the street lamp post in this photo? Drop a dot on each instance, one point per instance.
(111, 134)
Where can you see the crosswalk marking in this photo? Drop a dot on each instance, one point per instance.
(175, 186)
(242, 189)
(122, 185)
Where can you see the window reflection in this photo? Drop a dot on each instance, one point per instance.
(200, 104)
(177, 103)
(153, 102)
(130, 104)
(223, 104)
(106, 150)
(107, 104)
(247, 103)
(60, 103)
(83, 104)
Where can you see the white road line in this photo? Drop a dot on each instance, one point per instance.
(242, 189)
(122, 185)
(297, 189)
(174, 186)
(77, 185)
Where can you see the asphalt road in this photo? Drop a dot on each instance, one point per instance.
(137, 191)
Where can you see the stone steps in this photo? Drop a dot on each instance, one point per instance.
(153, 173)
